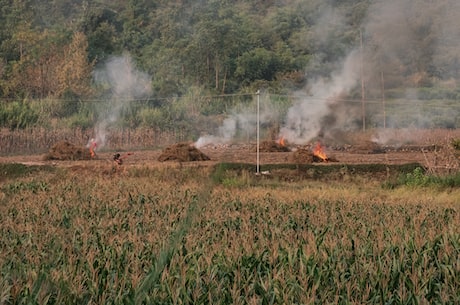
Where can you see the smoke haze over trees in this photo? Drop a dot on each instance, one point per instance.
(50, 48)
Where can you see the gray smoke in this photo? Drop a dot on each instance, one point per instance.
(124, 83)
(405, 41)
(411, 37)
(415, 43)
(241, 122)
(305, 118)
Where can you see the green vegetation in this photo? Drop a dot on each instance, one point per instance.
(17, 115)
(16, 170)
(205, 60)
(169, 235)
(418, 178)
(50, 48)
(456, 144)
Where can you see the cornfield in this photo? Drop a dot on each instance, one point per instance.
(172, 235)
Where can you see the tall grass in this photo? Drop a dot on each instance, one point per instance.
(176, 236)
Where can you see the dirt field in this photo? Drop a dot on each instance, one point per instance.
(430, 148)
(431, 156)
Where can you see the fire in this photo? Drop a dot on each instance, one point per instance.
(319, 152)
(282, 141)
(92, 148)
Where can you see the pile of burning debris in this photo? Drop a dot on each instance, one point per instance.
(308, 155)
(305, 154)
(274, 146)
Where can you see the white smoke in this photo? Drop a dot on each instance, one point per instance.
(304, 119)
(392, 50)
(240, 122)
(125, 83)
(412, 36)
(225, 134)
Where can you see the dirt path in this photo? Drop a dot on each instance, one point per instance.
(247, 154)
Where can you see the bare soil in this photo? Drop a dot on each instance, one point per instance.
(427, 155)
(430, 148)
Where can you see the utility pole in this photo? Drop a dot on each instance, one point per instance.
(258, 131)
(382, 81)
(363, 106)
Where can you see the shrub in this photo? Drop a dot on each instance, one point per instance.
(151, 117)
(17, 115)
(419, 178)
(456, 144)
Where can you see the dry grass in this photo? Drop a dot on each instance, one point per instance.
(40, 140)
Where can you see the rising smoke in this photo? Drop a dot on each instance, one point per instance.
(415, 43)
(403, 41)
(306, 117)
(241, 122)
(124, 83)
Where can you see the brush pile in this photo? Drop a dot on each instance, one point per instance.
(306, 156)
(64, 150)
(303, 156)
(182, 152)
(272, 146)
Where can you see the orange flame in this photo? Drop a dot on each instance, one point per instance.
(282, 141)
(92, 148)
(319, 152)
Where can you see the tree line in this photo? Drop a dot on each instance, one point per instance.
(50, 48)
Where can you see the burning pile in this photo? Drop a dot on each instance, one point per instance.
(319, 155)
(302, 156)
(64, 150)
(306, 155)
(273, 146)
(182, 152)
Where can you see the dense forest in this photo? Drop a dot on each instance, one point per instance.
(51, 48)
(192, 68)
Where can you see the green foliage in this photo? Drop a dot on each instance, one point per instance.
(257, 64)
(84, 118)
(213, 44)
(17, 170)
(420, 178)
(222, 46)
(417, 178)
(17, 115)
(33, 186)
(456, 144)
(152, 117)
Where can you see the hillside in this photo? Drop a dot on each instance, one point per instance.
(51, 48)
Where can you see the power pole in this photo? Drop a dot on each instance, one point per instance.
(382, 81)
(258, 131)
(363, 106)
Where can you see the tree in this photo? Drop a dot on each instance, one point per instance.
(74, 72)
(257, 64)
(102, 29)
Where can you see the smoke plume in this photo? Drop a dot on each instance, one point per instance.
(241, 122)
(124, 83)
(406, 43)
(305, 118)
